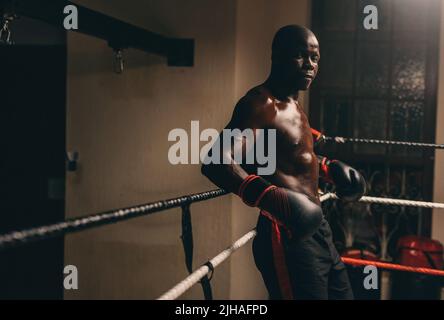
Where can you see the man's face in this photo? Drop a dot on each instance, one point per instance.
(300, 67)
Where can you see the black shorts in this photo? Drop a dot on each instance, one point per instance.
(314, 268)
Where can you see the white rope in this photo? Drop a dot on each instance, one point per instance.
(195, 277)
(327, 196)
(198, 274)
(395, 202)
(402, 202)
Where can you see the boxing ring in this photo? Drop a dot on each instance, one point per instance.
(23, 237)
(201, 274)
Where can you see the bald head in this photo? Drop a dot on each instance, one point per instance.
(290, 39)
(295, 57)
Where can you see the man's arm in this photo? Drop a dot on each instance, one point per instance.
(229, 174)
(296, 211)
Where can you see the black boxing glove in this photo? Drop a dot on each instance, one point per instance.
(350, 184)
(294, 210)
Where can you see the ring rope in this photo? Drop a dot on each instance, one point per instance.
(385, 142)
(392, 266)
(195, 277)
(397, 202)
(327, 196)
(72, 225)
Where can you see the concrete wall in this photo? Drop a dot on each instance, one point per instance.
(119, 124)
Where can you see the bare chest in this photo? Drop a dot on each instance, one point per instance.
(292, 129)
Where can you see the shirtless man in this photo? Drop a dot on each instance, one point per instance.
(293, 248)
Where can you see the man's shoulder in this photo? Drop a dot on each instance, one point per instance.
(251, 108)
(255, 99)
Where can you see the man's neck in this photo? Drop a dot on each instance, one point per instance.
(280, 89)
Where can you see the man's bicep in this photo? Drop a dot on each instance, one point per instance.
(240, 134)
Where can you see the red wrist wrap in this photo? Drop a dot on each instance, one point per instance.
(253, 189)
(316, 133)
(325, 168)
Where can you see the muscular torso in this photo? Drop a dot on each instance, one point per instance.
(296, 164)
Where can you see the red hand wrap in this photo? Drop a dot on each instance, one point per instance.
(253, 189)
(324, 167)
(316, 133)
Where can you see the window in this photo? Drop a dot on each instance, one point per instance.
(379, 84)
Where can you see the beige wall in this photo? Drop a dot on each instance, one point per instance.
(257, 21)
(120, 123)
(438, 196)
